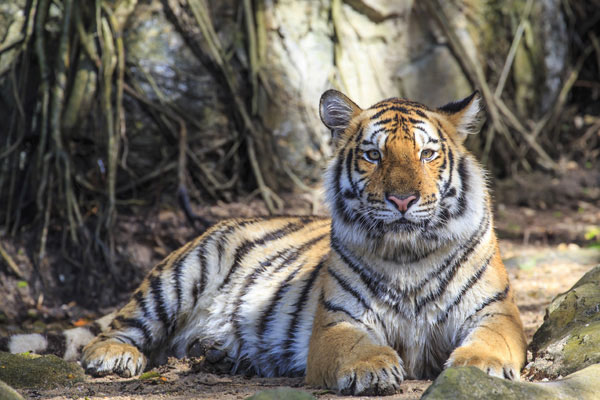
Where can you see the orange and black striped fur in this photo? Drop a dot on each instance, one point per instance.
(403, 280)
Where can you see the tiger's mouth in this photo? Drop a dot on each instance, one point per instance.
(402, 224)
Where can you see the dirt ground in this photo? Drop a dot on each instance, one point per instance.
(546, 250)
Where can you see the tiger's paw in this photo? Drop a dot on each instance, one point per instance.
(102, 358)
(377, 374)
(490, 363)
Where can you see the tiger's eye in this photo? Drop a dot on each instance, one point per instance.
(373, 155)
(427, 154)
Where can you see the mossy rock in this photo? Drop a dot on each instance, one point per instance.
(281, 394)
(569, 338)
(33, 371)
(471, 383)
(8, 393)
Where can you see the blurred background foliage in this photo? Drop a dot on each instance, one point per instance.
(112, 106)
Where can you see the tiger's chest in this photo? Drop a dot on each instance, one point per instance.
(421, 312)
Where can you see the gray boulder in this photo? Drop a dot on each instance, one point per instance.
(569, 338)
(472, 383)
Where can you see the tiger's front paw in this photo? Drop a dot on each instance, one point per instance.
(379, 373)
(101, 358)
(490, 363)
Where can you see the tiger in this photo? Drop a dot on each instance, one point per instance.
(403, 280)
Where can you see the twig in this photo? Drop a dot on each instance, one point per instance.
(253, 54)
(555, 111)
(204, 22)
(475, 72)
(40, 22)
(159, 170)
(11, 263)
(513, 49)
(12, 44)
(109, 64)
(298, 182)
(86, 40)
(57, 103)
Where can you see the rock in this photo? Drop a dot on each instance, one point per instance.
(8, 393)
(281, 394)
(569, 338)
(12, 19)
(34, 371)
(472, 383)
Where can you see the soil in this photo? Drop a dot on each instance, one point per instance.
(546, 249)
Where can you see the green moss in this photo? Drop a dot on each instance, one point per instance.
(31, 371)
(582, 348)
(578, 307)
(149, 375)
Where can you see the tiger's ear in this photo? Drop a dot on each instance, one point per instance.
(336, 111)
(466, 115)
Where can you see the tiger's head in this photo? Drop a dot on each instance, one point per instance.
(400, 172)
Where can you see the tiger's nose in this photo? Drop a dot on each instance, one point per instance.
(403, 202)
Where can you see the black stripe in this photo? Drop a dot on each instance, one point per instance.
(156, 287)
(420, 113)
(198, 287)
(464, 189)
(247, 246)
(299, 306)
(340, 209)
(141, 300)
(450, 266)
(372, 280)
(136, 324)
(382, 122)
(395, 108)
(375, 132)
(337, 308)
(349, 157)
(288, 256)
(346, 286)
(449, 262)
(450, 172)
(178, 275)
(224, 233)
(267, 314)
(445, 162)
(499, 296)
(359, 135)
(466, 287)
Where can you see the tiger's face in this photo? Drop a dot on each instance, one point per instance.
(398, 165)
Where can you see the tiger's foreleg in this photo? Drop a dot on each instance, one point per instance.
(495, 342)
(145, 324)
(343, 356)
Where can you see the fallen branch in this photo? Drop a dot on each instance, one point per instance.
(11, 263)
